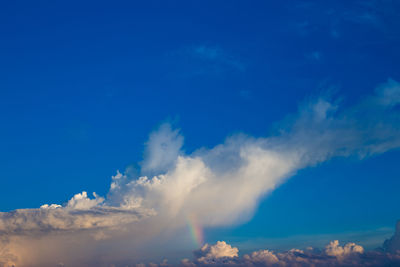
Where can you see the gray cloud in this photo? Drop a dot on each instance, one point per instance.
(393, 244)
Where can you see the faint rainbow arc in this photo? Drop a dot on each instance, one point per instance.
(196, 231)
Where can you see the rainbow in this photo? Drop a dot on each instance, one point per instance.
(196, 231)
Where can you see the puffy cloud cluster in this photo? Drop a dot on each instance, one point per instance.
(218, 251)
(219, 186)
(351, 254)
(262, 257)
(55, 233)
(80, 213)
(333, 249)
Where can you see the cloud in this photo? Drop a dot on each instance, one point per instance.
(333, 249)
(55, 233)
(315, 56)
(162, 150)
(336, 19)
(219, 186)
(80, 213)
(81, 201)
(351, 254)
(333, 255)
(262, 257)
(392, 245)
(216, 54)
(220, 250)
(205, 59)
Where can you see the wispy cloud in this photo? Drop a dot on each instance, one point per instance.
(337, 19)
(219, 186)
(217, 55)
(315, 55)
(204, 59)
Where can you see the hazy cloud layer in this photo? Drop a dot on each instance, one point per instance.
(218, 186)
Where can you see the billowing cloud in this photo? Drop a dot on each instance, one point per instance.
(333, 249)
(55, 233)
(79, 214)
(220, 250)
(218, 186)
(333, 255)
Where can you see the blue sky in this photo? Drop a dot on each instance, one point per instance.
(82, 85)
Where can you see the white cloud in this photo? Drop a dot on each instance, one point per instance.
(52, 206)
(82, 202)
(42, 221)
(162, 150)
(212, 252)
(334, 249)
(263, 257)
(219, 186)
(334, 255)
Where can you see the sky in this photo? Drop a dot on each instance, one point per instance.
(226, 128)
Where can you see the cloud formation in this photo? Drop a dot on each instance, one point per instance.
(332, 255)
(219, 186)
(80, 213)
(220, 250)
(392, 245)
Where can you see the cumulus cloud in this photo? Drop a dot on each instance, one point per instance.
(262, 257)
(55, 233)
(333, 249)
(80, 213)
(220, 250)
(350, 254)
(219, 186)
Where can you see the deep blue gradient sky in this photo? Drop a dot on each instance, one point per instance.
(83, 84)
